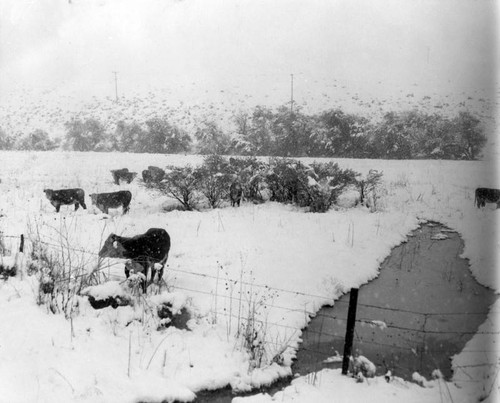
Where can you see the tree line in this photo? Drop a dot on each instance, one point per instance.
(280, 132)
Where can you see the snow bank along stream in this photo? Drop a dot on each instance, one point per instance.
(421, 310)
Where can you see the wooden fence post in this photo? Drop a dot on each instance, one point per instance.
(349, 332)
(21, 244)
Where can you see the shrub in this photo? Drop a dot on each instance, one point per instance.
(369, 189)
(251, 174)
(337, 179)
(212, 139)
(316, 186)
(214, 179)
(60, 270)
(84, 135)
(37, 140)
(286, 178)
(181, 183)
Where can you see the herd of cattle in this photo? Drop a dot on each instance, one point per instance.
(145, 253)
(122, 198)
(148, 252)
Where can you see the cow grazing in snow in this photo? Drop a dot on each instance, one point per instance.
(123, 174)
(145, 252)
(66, 196)
(153, 174)
(486, 195)
(105, 201)
(146, 176)
(235, 193)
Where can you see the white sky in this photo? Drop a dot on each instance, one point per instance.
(247, 44)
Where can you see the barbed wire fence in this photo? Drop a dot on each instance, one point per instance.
(18, 242)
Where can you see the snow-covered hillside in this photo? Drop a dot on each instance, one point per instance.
(187, 105)
(284, 262)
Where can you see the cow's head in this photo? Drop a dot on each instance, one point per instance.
(48, 193)
(112, 247)
(93, 197)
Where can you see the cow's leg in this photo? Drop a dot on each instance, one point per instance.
(101, 207)
(162, 263)
(160, 274)
(58, 207)
(83, 205)
(126, 209)
(77, 205)
(145, 280)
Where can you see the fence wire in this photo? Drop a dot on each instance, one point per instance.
(328, 300)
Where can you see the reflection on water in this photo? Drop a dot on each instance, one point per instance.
(430, 304)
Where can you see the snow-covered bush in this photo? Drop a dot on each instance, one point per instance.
(288, 181)
(181, 184)
(251, 174)
(8, 266)
(369, 189)
(214, 179)
(336, 178)
(110, 293)
(316, 186)
(172, 309)
(61, 273)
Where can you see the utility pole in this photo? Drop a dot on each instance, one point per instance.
(116, 84)
(291, 98)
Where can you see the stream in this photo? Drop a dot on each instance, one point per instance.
(420, 311)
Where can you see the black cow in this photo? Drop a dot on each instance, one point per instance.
(122, 174)
(146, 176)
(157, 174)
(105, 201)
(144, 251)
(153, 174)
(235, 192)
(66, 196)
(486, 195)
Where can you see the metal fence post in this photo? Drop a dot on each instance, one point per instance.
(349, 332)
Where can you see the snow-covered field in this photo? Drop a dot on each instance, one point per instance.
(285, 263)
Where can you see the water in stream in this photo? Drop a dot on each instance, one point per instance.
(427, 305)
(425, 295)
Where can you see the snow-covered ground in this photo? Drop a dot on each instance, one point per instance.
(277, 260)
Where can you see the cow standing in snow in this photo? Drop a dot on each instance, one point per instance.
(65, 197)
(146, 252)
(235, 193)
(153, 174)
(105, 201)
(486, 195)
(122, 174)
